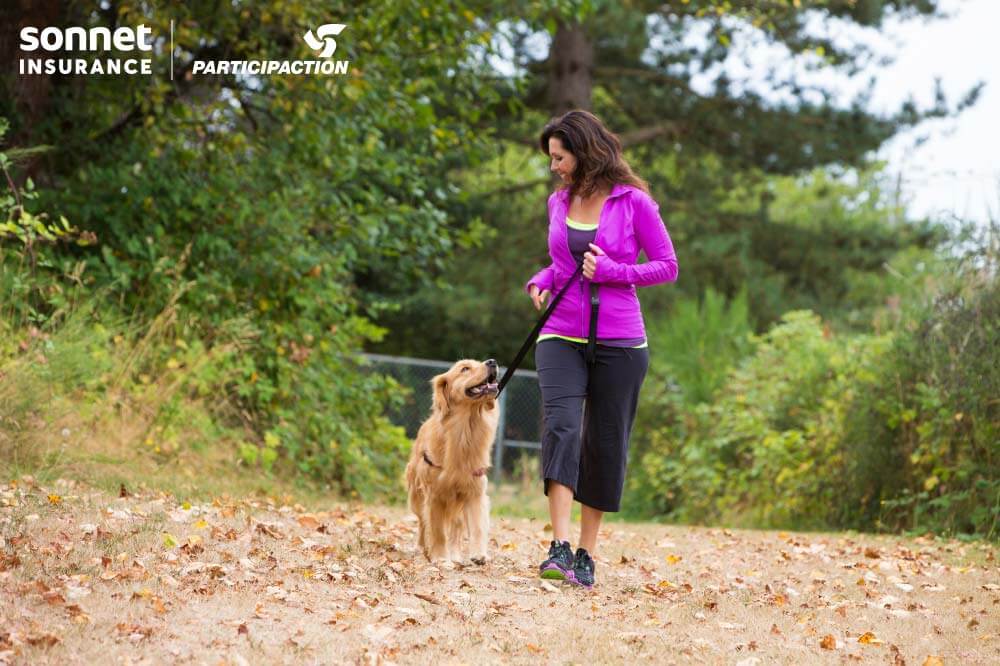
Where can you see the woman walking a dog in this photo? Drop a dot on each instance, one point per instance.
(592, 355)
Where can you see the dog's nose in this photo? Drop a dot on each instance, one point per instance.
(490, 363)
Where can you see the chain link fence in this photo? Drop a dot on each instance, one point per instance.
(520, 424)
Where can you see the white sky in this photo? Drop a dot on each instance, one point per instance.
(957, 170)
(948, 167)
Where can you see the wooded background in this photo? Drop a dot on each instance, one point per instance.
(231, 244)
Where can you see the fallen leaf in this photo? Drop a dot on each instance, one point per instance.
(933, 660)
(828, 642)
(308, 521)
(673, 559)
(46, 639)
(53, 597)
(428, 598)
(868, 638)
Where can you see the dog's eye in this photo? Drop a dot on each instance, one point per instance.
(465, 369)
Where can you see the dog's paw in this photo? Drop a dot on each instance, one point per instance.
(446, 564)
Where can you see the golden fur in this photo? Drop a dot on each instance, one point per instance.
(448, 495)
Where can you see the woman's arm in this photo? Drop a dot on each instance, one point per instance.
(543, 279)
(654, 240)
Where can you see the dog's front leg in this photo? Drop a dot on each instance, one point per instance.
(477, 515)
(456, 538)
(437, 541)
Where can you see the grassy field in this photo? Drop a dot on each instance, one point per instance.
(99, 574)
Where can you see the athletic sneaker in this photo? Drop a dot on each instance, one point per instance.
(559, 565)
(583, 569)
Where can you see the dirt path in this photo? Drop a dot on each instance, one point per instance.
(86, 578)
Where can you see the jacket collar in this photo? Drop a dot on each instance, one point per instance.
(618, 190)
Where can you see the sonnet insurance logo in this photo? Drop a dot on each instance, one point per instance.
(114, 45)
(322, 41)
(44, 51)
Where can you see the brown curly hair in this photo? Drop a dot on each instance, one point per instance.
(598, 153)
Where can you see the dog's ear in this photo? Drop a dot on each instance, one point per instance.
(440, 384)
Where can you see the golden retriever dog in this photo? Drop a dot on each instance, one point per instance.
(446, 474)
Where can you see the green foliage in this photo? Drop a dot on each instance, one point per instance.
(287, 202)
(100, 373)
(29, 277)
(930, 423)
(818, 430)
(698, 343)
(752, 455)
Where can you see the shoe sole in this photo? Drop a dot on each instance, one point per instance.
(555, 572)
(580, 583)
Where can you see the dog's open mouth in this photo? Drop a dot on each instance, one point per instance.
(489, 387)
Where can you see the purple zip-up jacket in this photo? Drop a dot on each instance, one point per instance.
(629, 222)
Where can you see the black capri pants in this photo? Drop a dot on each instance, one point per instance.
(588, 414)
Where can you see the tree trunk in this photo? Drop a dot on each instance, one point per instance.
(30, 94)
(571, 65)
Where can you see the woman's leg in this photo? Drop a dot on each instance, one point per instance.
(560, 506)
(590, 522)
(562, 377)
(613, 397)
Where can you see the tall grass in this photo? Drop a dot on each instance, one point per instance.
(82, 384)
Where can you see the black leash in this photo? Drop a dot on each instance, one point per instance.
(541, 322)
(595, 301)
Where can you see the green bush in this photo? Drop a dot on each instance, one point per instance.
(923, 445)
(897, 431)
(761, 453)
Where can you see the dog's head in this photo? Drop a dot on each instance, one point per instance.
(468, 382)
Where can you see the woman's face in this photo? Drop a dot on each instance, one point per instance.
(563, 164)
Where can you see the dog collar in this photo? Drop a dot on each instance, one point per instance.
(476, 472)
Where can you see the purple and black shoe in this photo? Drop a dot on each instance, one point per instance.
(559, 565)
(583, 569)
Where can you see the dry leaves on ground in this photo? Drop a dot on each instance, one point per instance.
(87, 577)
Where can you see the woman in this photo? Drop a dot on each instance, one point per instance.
(602, 217)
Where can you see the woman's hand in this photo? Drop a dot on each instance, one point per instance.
(538, 298)
(590, 261)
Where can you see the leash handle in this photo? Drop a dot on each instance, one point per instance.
(509, 372)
